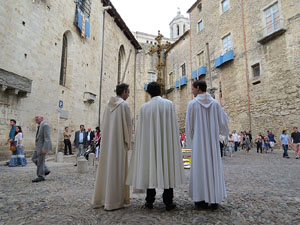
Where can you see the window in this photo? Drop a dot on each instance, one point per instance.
(227, 44)
(272, 18)
(84, 6)
(183, 28)
(171, 78)
(255, 70)
(201, 58)
(225, 5)
(183, 72)
(121, 63)
(151, 77)
(63, 65)
(177, 30)
(200, 26)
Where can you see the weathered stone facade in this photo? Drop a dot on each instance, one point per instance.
(272, 99)
(31, 37)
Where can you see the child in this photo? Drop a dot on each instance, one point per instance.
(266, 144)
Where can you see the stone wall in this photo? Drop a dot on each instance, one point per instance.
(273, 101)
(31, 46)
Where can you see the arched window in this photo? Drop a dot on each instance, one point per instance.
(177, 30)
(63, 65)
(121, 62)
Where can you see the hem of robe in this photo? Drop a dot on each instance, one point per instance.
(195, 199)
(109, 207)
(144, 187)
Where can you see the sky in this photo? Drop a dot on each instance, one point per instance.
(149, 16)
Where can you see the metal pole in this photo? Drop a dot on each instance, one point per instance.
(56, 150)
(101, 68)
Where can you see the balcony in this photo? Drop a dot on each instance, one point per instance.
(201, 70)
(14, 84)
(228, 56)
(183, 81)
(194, 74)
(271, 31)
(146, 87)
(177, 83)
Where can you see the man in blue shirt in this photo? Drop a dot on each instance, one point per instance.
(12, 132)
(284, 139)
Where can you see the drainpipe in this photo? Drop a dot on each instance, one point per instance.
(102, 57)
(246, 63)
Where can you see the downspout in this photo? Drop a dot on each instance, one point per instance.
(191, 58)
(134, 90)
(246, 62)
(101, 68)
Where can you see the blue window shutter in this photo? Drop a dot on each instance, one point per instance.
(79, 19)
(87, 27)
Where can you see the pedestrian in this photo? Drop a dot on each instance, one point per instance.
(247, 143)
(90, 136)
(18, 158)
(157, 158)
(250, 137)
(97, 140)
(266, 144)
(272, 141)
(230, 144)
(43, 145)
(111, 192)
(11, 136)
(182, 139)
(258, 142)
(296, 141)
(80, 142)
(205, 120)
(236, 140)
(67, 141)
(222, 144)
(285, 140)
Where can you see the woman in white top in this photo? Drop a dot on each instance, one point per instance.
(18, 158)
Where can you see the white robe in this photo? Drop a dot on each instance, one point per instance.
(205, 120)
(157, 159)
(110, 189)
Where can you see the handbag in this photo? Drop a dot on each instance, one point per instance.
(13, 148)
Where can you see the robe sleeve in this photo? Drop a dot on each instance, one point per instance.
(223, 121)
(127, 128)
(189, 126)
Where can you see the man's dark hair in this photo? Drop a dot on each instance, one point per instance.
(295, 127)
(81, 126)
(201, 84)
(153, 89)
(13, 121)
(283, 131)
(121, 87)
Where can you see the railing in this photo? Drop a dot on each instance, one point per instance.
(271, 29)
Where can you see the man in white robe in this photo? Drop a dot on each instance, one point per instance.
(110, 188)
(205, 121)
(157, 159)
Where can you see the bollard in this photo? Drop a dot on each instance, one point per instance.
(82, 166)
(91, 159)
(60, 157)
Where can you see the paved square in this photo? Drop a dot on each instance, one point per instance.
(261, 189)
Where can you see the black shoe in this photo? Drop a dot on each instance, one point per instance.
(75, 165)
(149, 205)
(39, 179)
(287, 157)
(47, 173)
(201, 205)
(214, 206)
(170, 207)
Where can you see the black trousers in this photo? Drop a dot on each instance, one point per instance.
(167, 196)
(68, 144)
(259, 146)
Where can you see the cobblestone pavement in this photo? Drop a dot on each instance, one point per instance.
(261, 189)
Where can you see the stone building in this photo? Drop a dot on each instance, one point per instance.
(254, 50)
(51, 51)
